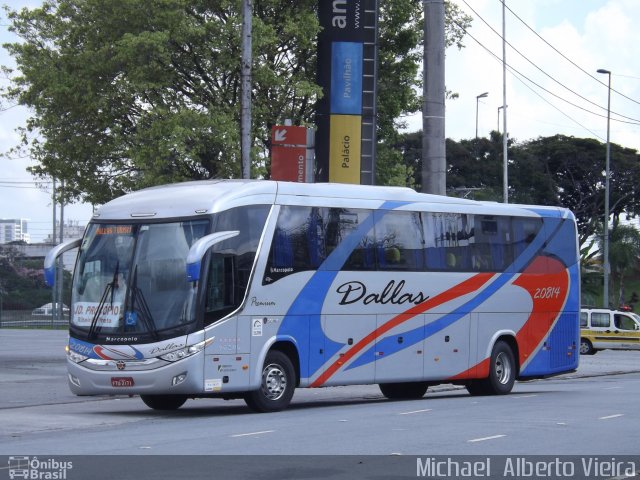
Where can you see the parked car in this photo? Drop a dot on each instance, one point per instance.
(601, 328)
(47, 310)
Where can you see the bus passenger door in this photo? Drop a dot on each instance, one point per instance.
(446, 350)
(400, 351)
(348, 349)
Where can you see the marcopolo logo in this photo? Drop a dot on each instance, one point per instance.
(38, 469)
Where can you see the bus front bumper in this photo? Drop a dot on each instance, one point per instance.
(126, 378)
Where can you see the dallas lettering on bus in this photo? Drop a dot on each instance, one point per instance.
(355, 291)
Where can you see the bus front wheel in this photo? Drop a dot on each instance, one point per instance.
(163, 402)
(502, 373)
(277, 385)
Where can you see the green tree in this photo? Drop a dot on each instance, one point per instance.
(569, 171)
(557, 170)
(401, 31)
(22, 281)
(624, 252)
(126, 93)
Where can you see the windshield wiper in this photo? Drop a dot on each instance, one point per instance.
(145, 312)
(93, 328)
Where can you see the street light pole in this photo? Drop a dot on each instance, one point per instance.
(499, 108)
(505, 159)
(478, 97)
(606, 196)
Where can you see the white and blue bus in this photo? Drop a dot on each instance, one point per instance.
(249, 289)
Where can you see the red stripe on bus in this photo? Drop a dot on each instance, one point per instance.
(459, 290)
(542, 279)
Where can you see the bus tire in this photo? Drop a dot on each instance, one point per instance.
(164, 402)
(502, 373)
(586, 348)
(476, 387)
(404, 391)
(277, 384)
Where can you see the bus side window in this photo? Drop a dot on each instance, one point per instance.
(232, 259)
(342, 226)
(399, 241)
(492, 249)
(447, 241)
(524, 231)
(298, 242)
(220, 286)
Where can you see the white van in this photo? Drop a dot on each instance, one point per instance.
(601, 328)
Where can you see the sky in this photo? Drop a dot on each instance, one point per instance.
(593, 34)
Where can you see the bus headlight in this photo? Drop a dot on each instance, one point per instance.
(76, 357)
(186, 351)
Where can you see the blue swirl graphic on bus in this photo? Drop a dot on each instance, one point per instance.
(312, 296)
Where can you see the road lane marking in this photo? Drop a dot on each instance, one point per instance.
(493, 437)
(415, 411)
(611, 388)
(612, 416)
(526, 396)
(252, 433)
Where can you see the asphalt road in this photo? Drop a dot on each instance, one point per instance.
(593, 411)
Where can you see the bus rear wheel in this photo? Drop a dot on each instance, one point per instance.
(404, 391)
(502, 373)
(277, 386)
(163, 402)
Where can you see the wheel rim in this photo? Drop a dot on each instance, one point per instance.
(503, 368)
(274, 382)
(584, 347)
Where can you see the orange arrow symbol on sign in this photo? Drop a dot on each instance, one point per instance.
(280, 135)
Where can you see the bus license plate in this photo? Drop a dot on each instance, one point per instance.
(122, 381)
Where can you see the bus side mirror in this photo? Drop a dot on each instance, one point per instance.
(52, 256)
(200, 248)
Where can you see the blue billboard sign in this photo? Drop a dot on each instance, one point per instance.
(346, 78)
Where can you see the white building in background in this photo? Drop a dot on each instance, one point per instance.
(71, 230)
(14, 229)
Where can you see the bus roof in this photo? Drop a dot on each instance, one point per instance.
(210, 196)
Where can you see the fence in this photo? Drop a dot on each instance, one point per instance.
(30, 319)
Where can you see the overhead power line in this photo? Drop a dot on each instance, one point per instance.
(633, 121)
(516, 73)
(567, 58)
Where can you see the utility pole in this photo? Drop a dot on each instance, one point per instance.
(434, 164)
(247, 59)
(54, 201)
(57, 310)
(505, 135)
(606, 263)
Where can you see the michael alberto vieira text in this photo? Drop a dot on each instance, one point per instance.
(522, 467)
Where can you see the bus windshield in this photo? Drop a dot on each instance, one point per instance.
(131, 278)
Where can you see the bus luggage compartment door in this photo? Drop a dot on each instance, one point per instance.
(400, 350)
